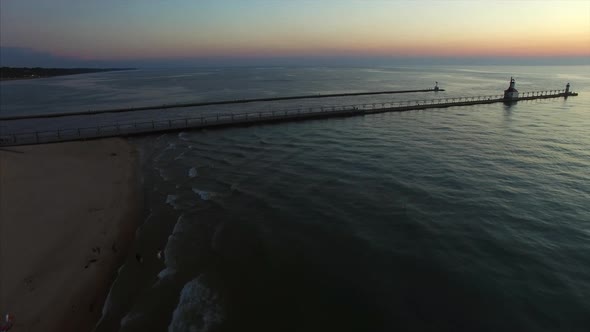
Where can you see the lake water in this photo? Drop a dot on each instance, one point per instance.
(469, 218)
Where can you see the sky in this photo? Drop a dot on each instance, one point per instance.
(144, 31)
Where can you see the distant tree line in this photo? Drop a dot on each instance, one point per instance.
(38, 72)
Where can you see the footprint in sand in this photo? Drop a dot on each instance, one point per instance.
(94, 260)
(29, 284)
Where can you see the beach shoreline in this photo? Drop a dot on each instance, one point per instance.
(68, 215)
(28, 73)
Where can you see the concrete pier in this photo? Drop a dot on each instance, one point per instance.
(213, 103)
(241, 119)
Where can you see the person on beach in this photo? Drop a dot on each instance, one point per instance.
(7, 323)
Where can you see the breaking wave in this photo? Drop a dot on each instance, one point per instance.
(198, 309)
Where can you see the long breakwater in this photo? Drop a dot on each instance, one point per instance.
(210, 103)
(240, 119)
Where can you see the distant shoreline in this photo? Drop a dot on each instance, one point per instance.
(28, 73)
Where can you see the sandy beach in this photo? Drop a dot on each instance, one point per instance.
(68, 212)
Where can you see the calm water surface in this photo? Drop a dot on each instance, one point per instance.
(470, 218)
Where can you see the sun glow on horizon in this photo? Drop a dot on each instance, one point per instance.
(135, 29)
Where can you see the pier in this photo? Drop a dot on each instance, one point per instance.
(244, 119)
(213, 103)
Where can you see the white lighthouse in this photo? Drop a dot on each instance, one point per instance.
(511, 92)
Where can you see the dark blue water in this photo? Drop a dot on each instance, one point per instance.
(470, 218)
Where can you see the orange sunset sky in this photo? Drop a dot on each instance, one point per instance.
(134, 29)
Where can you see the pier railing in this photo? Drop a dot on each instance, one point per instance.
(227, 119)
(211, 103)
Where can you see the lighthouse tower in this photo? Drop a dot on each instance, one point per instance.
(567, 89)
(511, 92)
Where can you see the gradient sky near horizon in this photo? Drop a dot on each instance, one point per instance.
(150, 29)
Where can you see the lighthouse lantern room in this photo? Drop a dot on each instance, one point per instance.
(511, 92)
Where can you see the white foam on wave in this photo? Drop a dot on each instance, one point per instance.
(180, 225)
(205, 195)
(180, 156)
(198, 309)
(170, 250)
(171, 200)
(130, 317)
(192, 172)
(163, 174)
(166, 273)
(108, 303)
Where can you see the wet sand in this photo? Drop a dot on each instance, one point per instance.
(68, 213)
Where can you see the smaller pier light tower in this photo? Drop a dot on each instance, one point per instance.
(436, 88)
(511, 92)
(567, 89)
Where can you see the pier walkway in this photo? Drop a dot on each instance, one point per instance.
(211, 103)
(241, 119)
